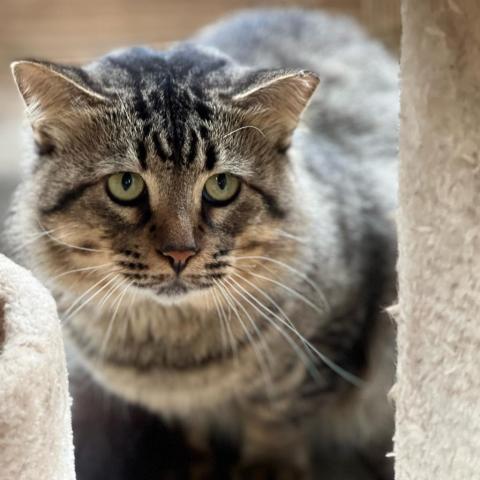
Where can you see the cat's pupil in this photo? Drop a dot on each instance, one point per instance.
(222, 181)
(127, 181)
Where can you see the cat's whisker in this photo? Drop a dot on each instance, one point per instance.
(43, 231)
(243, 128)
(260, 359)
(269, 354)
(265, 295)
(227, 320)
(221, 320)
(69, 314)
(292, 270)
(75, 247)
(86, 292)
(109, 293)
(264, 307)
(291, 236)
(290, 290)
(272, 301)
(258, 302)
(310, 366)
(130, 310)
(33, 238)
(69, 226)
(273, 242)
(84, 269)
(353, 379)
(108, 333)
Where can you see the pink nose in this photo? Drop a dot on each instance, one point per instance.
(179, 256)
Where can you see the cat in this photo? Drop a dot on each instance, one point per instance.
(216, 223)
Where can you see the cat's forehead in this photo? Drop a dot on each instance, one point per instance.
(171, 102)
(174, 87)
(171, 127)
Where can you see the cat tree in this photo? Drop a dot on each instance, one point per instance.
(438, 389)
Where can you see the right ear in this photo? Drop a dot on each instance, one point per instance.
(56, 98)
(273, 101)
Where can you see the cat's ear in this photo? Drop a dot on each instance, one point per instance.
(56, 97)
(273, 101)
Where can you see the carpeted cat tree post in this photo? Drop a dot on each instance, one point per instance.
(35, 422)
(438, 389)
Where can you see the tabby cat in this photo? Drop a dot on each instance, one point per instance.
(218, 234)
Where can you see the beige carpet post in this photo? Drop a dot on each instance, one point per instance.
(35, 421)
(438, 390)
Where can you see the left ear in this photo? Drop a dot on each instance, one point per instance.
(274, 101)
(57, 100)
(48, 89)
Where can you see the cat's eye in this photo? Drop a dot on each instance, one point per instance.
(125, 187)
(221, 189)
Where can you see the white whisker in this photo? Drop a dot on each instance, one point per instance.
(115, 313)
(233, 343)
(260, 359)
(233, 283)
(286, 318)
(289, 235)
(243, 128)
(223, 331)
(70, 314)
(353, 379)
(34, 237)
(265, 295)
(109, 293)
(288, 289)
(86, 292)
(65, 244)
(85, 269)
(292, 270)
(301, 354)
(129, 309)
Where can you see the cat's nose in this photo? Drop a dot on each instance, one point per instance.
(178, 258)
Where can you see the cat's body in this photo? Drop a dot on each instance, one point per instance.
(313, 223)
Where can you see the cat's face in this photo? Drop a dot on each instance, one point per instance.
(159, 174)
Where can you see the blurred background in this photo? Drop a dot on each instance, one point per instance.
(75, 31)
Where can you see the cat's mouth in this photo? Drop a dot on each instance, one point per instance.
(174, 289)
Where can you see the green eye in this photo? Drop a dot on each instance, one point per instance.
(125, 187)
(221, 189)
